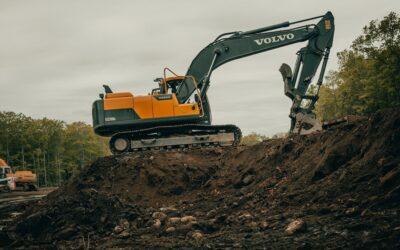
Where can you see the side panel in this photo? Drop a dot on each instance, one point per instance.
(163, 106)
(187, 109)
(143, 106)
(118, 103)
(119, 115)
(118, 95)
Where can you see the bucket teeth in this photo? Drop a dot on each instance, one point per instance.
(306, 124)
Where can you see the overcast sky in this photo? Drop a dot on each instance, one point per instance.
(55, 55)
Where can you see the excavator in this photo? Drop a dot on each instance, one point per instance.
(177, 113)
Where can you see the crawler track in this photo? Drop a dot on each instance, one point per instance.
(175, 138)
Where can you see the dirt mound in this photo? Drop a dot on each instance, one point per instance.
(340, 188)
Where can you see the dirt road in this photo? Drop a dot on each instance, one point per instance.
(8, 198)
(13, 204)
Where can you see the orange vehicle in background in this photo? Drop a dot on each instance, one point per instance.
(24, 179)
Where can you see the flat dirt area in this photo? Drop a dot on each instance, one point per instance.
(13, 204)
(7, 198)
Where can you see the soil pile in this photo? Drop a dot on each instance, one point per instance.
(339, 188)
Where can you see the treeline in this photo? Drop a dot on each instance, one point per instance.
(255, 138)
(368, 77)
(51, 148)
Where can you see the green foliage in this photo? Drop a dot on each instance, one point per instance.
(255, 138)
(252, 139)
(368, 78)
(51, 148)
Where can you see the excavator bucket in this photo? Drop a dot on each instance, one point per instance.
(306, 124)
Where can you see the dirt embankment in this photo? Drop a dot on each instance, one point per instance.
(340, 188)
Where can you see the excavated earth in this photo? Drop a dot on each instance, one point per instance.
(336, 189)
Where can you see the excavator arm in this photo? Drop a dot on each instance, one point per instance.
(235, 45)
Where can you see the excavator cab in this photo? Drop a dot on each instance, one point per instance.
(172, 83)
(168, 85)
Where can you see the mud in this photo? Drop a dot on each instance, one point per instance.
(336, 189)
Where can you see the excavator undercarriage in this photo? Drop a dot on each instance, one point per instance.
(177, 114)
(175, 137)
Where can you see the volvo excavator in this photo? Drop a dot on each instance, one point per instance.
(177, 113)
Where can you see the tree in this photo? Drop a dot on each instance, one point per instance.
(253, 139)
(82, 145)
(48, 147)
(368, 78)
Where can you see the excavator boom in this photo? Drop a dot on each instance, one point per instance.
(242, 44)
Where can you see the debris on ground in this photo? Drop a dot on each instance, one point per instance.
(336, 189)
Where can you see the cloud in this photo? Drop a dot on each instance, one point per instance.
(55, 55)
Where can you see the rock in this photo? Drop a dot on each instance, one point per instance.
(124, 223)
(247, 180)
(389, 179)
(157, 224)
(186, 219)
(168, 209)
(351, 211)
(245, 216)
(159, 215)
(253, 225)
(186, 227)
(211, 213)
(264, 225)
(295, 227)
(170, 230)
(118, 229)
(124, 234)
(344, 233)
(197, 235)
(174, 220)
(15, 214)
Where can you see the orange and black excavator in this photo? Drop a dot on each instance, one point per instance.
(177, 114)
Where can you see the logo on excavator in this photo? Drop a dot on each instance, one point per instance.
(274, 39)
